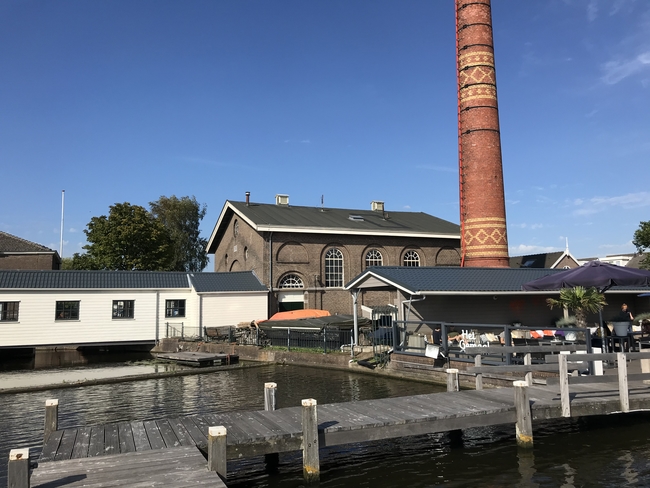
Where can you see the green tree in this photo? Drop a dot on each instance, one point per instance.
(130, 238)
(642, 242)
(181, 217)
(581, 300)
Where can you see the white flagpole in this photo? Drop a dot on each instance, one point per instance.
(62, 207)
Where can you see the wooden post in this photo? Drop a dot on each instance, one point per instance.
(479, 376)
(524, 425)
(621, 360)
(269, 396)
(564, 385)
(452, 380)
(310, 459)
(18, 469)
(271, 460)
(217, 437)
(528, 360)
(51, 417)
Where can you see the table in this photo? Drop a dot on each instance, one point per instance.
(624, 343)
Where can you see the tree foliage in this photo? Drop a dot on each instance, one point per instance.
(642, 242)
(130, 238)
(181, 217)
(581, 300)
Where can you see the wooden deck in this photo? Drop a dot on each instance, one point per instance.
(263, 432)
(177, 467)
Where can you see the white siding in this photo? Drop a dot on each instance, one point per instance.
(37, 325)
(233, 308)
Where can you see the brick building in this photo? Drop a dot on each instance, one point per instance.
(17, 253)
(305, 255)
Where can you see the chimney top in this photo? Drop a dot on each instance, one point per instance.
(248, 198)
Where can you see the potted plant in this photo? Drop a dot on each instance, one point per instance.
(580, 300)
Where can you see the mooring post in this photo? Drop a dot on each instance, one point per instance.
(564, 385)
(217, 450)
(272, 460)
(452, 380)
(51, 417)
(524, 425)
(18, 468)
(528, 360)
(479, 376)
(310, 459)
(621, 360)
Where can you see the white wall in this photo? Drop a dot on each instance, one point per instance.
(37, 325)
(232, 308)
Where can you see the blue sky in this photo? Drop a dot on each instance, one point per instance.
(125, 101)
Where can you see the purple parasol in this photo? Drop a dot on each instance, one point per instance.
(594, 273)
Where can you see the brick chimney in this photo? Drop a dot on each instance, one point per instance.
(482, 202)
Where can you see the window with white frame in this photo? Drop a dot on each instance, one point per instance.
(374, 258)
(174, 308)
(291, 281)
(411, 258)
(333, 268)
(67, 310)
(123, 309)
(9, 311)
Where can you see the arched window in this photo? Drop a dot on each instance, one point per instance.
(333, 268)
(235, 228)
(411, 258)
(374, 258)
(291, 281)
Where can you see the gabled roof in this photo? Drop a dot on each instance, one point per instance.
(222, 282)
(440, 280)
(548, 260)
(12, 244)
(337, 221)
(131, 280)
(635, 262)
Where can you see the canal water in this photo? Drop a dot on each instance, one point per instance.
(601, 451)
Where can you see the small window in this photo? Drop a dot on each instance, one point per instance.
(374, 258)
(67, 311)
(123, 309)
(9, 311)
(333, 268)
(291, 281)
(411, 258)
(174, 308)
(235, 228)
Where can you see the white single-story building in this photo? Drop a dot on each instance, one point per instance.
(84, 308)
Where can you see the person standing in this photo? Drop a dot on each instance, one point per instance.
(626, 315)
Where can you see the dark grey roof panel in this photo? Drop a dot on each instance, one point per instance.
(455, 279)
(424, 280)
(11, 243)
(339, 218)
(543, 260)
(28, 279)
(235, 281)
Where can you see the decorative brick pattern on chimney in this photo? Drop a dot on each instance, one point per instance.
(482, 202)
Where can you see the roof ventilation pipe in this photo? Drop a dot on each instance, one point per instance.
(248, 198)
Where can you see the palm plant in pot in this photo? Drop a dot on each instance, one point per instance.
(580, 300)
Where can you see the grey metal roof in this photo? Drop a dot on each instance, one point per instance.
(423, 280)
(542, 260)
(11, 243)
(441, 280)
(234, 281)
(287, 218)
(80, 280)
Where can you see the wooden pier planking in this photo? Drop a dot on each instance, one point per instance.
(178, 467)
(263, 432)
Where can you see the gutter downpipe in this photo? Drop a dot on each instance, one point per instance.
(270, 272)
(355, 296)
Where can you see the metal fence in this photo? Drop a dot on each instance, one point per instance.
(179, 330)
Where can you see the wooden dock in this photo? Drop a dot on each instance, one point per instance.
(177, 467)
(310, 427)
(198, 359)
